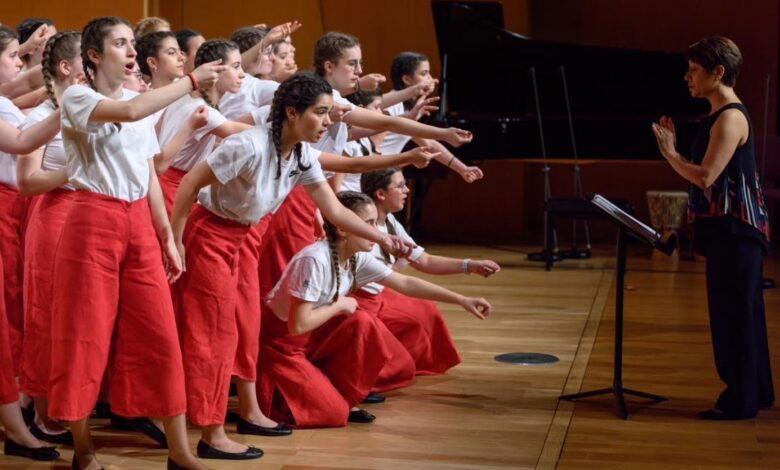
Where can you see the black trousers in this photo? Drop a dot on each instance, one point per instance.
(738, 325)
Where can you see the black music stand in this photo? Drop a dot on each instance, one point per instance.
(627, 225)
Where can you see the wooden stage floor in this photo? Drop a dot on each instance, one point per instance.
(488, 415)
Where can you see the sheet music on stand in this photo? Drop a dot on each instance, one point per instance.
(638, 228)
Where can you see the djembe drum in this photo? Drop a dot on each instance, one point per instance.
(667, 210)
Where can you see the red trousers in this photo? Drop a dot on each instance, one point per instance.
(169, 183)
(205, 299)
(13, 208)
(8, 392)
(44, 226)
(314, 379)
(248, 302)
(290, 231)
(112, 309)
(418, 325)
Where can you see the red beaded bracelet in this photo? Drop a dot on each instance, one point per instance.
(194, 82)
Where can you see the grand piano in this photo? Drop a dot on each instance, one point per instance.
(614, 93)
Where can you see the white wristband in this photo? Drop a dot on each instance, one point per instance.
(465, 266)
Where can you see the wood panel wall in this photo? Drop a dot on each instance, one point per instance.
(71, 14)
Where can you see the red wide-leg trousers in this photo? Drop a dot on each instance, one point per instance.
(112, 308)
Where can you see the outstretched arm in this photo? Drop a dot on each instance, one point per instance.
(446, 158)
(364, 118)
(433, 264)
(414, 287)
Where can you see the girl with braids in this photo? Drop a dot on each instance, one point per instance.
(248, 176)
(13, 206)
(418, 324)
(185, 127)
(109, 295)
(43, 172)
(321, 354)
(337, 58)
(409, 70)
(189, 41)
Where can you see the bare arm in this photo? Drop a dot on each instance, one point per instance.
(418, 288)
(446, 158)
(31, 99)
(365, 118)
(195, 179)
(229, 128)
(15, 141)
(276, 34)
(729, 132)
(32, 180)
(339, 215)
(25, 82)
(171, 258)
(339, 164)
(163, 160)
(152, 101)
(303, 317)
(433, 264)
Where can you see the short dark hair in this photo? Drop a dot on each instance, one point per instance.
(717, 50)
(183, 37)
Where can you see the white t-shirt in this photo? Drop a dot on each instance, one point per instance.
(14, 117)
(394, 143)
(54, 152)
(253, 94)
(200, 143)
(102, 157)
(260, 115)
(310, 277)
(335, 138)
(355, 149)
(376, 253)
(245, 165)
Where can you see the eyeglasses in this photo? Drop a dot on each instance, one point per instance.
(400, 185)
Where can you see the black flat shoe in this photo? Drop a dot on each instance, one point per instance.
(120, 423)
(374, 398)
(231, 417)
(245, 427)
(717, 415)
(146, 426)
(63, 438)
(205, 451)
(360, 416)
(35, 453)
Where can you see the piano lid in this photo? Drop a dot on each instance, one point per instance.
(485, 77)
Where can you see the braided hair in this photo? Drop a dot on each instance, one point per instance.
(352, 200)
(209, 51)
(298, 92)
(62, 46)
(330, 47)
(372, 182)
(148, 46)
(92, 37)
(405, 63)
